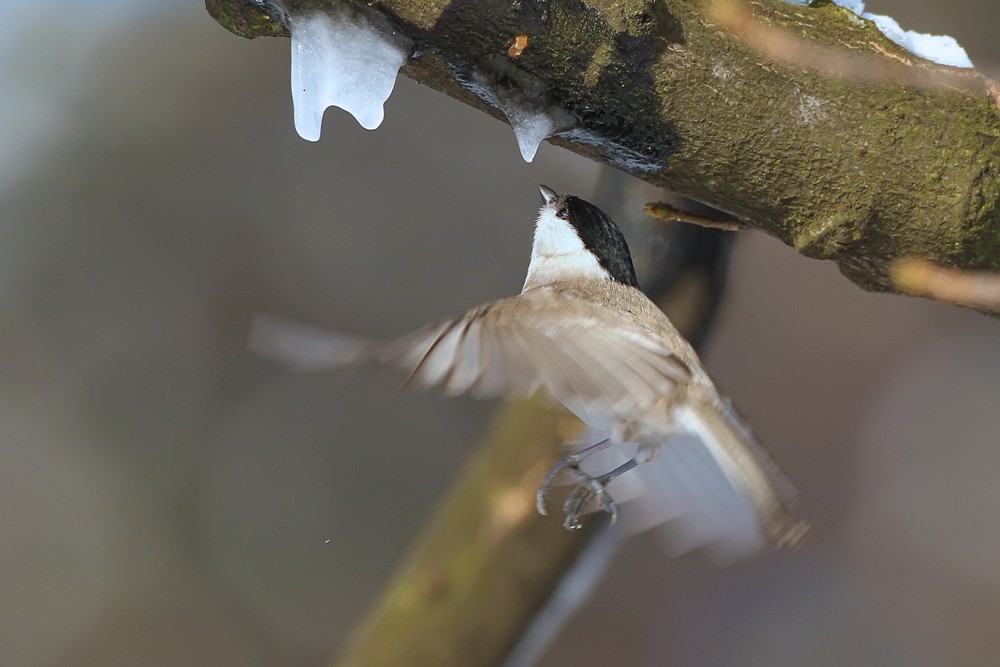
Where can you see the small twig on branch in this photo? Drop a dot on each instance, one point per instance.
(668, 213)
(979, 290)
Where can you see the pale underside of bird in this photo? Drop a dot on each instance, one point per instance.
(582, 333)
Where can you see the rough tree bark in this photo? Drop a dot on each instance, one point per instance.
(858, 171)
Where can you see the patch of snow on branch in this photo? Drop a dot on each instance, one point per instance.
(340, 59)
(941, 49)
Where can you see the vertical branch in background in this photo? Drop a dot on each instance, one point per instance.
(487, 563)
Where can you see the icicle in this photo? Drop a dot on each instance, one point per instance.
(533, 120)
(340, 59)
(531, 127)
(532, 116)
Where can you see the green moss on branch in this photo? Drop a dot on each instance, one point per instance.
(246, 18)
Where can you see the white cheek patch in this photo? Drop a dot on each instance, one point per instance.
(554, 236)
(559, 254)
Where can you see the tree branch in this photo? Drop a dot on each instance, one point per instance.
(861, 171)
(485, 566)
(964, 288)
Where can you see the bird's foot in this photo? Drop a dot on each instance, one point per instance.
(566, 466)
(589, 495)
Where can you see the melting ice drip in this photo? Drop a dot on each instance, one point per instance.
(941, 49)
(341, 59)
(532, 126)
(533, 120)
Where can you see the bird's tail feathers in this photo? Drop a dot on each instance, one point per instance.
(748, 466)
(710, 486)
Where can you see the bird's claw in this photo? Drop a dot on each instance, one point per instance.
(571, 462)
(587, 493)
(590, 492)
(540, 501)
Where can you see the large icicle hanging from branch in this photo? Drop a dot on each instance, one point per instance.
(339, 58)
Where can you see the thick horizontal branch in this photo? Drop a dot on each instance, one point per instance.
(855, 169)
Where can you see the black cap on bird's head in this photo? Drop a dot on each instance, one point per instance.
(598, 232)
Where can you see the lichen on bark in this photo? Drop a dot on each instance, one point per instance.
(861, 172)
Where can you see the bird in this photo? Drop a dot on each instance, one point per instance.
(582, 332)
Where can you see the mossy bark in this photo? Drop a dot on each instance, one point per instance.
(860, 172)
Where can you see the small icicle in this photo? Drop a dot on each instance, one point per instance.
(532, 127)
(533, 116)
(533, 120)
(341, 59)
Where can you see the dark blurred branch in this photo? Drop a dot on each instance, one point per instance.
(891, 156)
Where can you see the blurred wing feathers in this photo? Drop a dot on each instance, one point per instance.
(513, 346)
(588, 359)
(303, 347)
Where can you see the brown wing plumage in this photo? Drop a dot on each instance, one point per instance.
(583, 356)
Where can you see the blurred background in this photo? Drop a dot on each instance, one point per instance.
(168, 499)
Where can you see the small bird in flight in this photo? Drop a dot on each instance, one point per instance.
(583, 331)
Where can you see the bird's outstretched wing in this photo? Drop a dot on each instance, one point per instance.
(507, 348)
